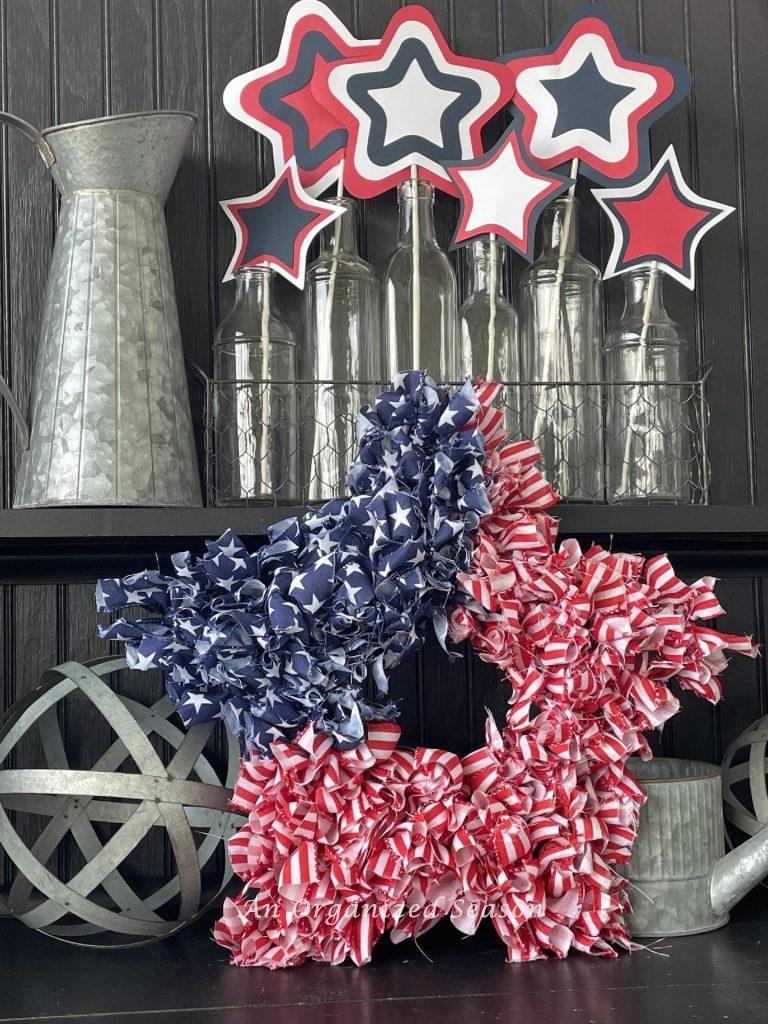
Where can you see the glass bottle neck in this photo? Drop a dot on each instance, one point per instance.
(644, 296)
(254, 287)
(344, 229)
(415, 202)
(484, 273)
(560, 226)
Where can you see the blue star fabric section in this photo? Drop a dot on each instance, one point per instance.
(292, 633)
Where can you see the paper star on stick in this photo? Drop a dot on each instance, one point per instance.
(276, 99)
(411, 102)
(589, 97)
(275, 227)
(503, 192)
(658, 222)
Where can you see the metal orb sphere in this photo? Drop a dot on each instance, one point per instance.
(109, 810)
(745, 779)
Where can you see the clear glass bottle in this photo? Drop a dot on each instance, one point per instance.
(432, 305)
(561, 342)
(488, 329)
(648, 427)
(344, 356)
(256, 449)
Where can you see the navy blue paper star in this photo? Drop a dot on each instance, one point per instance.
(586, 101)
(590, 97)
(411, 102)
(275, 227)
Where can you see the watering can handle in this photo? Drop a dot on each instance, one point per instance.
(49, 157)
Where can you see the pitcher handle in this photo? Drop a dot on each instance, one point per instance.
(32, 133)
(50, 159)
(17, 412)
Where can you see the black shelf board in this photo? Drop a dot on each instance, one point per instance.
(66, 544)
(56, 525)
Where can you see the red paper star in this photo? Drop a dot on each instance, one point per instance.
(276, 99)
(658, 221)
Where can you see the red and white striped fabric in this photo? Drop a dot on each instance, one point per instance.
(341, 846)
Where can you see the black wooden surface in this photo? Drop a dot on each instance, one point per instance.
(718, 978)
(63, 60)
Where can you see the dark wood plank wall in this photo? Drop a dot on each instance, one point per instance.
(63, 60)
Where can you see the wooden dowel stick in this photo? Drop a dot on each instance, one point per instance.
(639, 368)
(334, 257)
(416, 294)
(555, 310)
(493, 274)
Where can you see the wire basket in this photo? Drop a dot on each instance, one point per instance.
(292, 442)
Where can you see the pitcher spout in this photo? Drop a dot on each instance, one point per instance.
(739, 871)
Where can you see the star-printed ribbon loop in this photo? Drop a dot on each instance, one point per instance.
(589, 97)
(277, 99)
(411, 102)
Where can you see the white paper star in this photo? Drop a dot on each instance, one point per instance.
(492, 187)
(438, 99)
(404, 117)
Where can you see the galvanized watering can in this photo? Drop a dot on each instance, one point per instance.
(688, 883)
(110, 418)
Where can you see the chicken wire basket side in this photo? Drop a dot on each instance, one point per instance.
(282, 443)
(290, 443)
(635, 442)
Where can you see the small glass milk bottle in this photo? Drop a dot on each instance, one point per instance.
(648, 428)
(420, 305)
(344, 356)
(561, 342)
(256, 444)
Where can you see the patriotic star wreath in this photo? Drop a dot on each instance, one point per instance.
(349, 835)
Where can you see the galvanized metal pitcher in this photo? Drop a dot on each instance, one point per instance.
(687, 883)
(109, 409)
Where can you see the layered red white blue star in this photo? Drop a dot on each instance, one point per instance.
(411, 101)
(658, 222)
(590, 97)
(277, 100)
(503, 192)
(275, 227)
